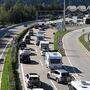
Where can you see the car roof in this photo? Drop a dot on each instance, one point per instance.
(62, 71)
(33, 75)
(37, 89)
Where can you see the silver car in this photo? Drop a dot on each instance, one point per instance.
(60, 75)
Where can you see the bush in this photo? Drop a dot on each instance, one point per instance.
(5, 84)
(58, 35)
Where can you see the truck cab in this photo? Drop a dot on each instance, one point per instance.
(53, 60)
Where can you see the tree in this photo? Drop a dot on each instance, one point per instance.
(16, 13)
(4, 15)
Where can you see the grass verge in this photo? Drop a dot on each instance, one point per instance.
(85, 44)
(5, 84)
(10, 76)
(58, 37)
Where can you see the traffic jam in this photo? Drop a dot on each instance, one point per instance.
(42, 65)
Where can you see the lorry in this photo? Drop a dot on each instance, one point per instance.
(44, 46)
(53, 60)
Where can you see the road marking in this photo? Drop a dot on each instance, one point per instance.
(71, 65)
(4, 59)
(39, 59)
(23, 77)
(22, 72)
(53, 85)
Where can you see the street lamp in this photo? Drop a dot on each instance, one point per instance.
(64, 14)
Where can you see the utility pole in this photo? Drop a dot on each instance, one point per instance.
(64, 15)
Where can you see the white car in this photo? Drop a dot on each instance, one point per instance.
(60, 75)
(33, 80)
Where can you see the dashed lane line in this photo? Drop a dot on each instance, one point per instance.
(22, 72)
(53, 85)
(76, 75)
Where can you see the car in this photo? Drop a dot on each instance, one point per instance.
(79, 85)
(27, 39)
(30, 32)
(43, 51)
(33, 80)
(24, 56)
(22, 45)
(27, 50)
(60, 75)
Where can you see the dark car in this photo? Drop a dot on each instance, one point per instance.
(22, 45)
(27, 39)
(24, 58)
(31, 32)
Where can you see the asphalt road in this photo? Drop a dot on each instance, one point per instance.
(78, 57)
(4, 40)
(38, 64)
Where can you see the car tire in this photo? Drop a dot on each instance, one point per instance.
(20, 61)
(57, 80)
(48, 76)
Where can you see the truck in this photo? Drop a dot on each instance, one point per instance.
(44, 46)
(53, 60)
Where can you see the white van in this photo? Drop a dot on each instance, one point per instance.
(53, 60)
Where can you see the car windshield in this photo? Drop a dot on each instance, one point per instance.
(54, 61)
(25, 56)
(34, 78)
(41, 38)
(65, 74)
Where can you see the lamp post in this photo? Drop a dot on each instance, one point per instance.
(64, 15)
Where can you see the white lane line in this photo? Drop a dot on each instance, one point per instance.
(53, 85)
(4, 50)
(23, 77)
(41, 63)
(71, 64)
(22, 72)
(39, 59)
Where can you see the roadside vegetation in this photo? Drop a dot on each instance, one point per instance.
(5, 84)
(17, 11)
(10, 76)
(58, 40)
(85, 44)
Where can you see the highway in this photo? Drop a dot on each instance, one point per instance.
(76, 61)
(78, 57)
(4, 40)
(38, 64)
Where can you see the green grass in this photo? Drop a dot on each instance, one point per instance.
(58, 35)
(5, 85)
(85, 44)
